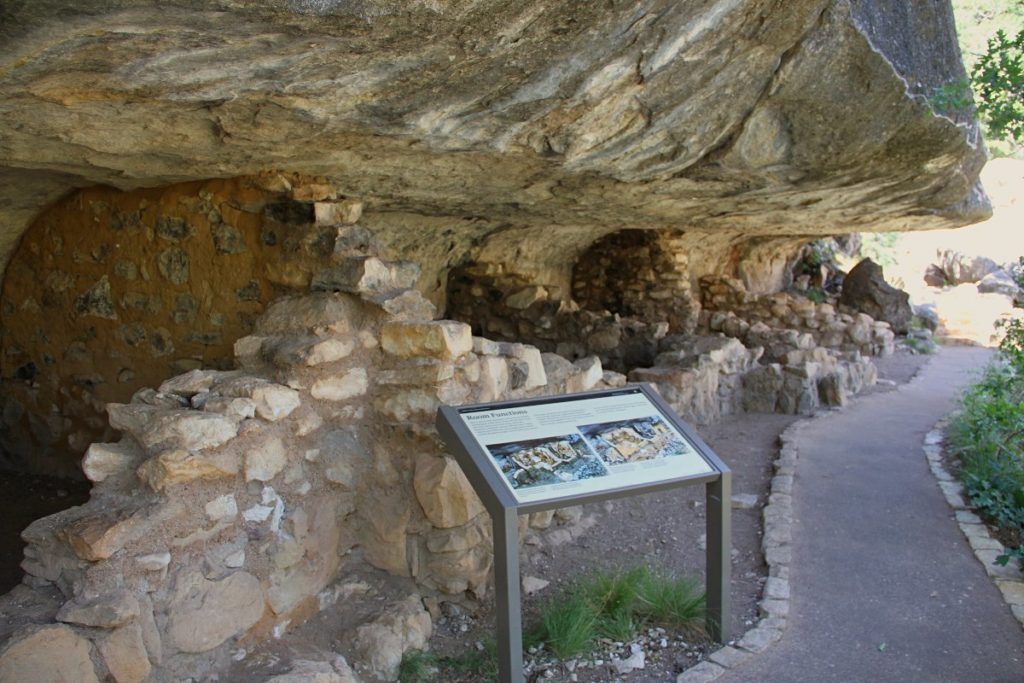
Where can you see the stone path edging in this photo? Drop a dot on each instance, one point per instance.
(777, 517)
(1008, 579)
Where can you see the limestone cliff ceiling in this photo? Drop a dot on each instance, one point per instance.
(766, 117)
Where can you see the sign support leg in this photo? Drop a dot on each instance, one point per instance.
(719, 557)
(508, 609)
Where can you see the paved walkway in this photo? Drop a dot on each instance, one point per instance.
(884, 586)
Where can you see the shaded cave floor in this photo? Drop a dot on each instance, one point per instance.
(25, 498)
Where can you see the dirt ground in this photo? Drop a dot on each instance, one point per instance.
(663, 530)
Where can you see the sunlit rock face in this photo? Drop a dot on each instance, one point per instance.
(802, 117)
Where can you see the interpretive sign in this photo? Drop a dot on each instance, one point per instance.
(545, 453)
(563, 447)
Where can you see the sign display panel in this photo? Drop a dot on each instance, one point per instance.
(579, 445)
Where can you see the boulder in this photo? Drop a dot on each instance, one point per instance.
(959, 268)
(104, 460)
(264, 461)
(188, 429)
(367, 276)
(999, 282)
(109, 611)
(866, 290)
(341, 387)
(444, 339)
(101, 533)
(178, 466)
(934, 277)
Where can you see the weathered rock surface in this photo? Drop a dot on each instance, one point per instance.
(203, 614)
(48, 653)
(444, 492)
(305, 671)
(404, 626)
(958, 268)
(124, 652)
(515, 135)
(105, 612)
(866, 290)
(999, 282)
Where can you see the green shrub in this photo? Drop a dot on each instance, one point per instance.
(998, 79)
(988, 437)
(816, 294)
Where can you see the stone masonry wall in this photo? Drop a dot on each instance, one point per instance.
(110, 292)
(639, 273)
(234, 497)
(507, 306)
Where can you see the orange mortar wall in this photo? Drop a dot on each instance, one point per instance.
(69, 346)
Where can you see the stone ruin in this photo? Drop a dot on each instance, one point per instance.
(252, 246)
(235, 498)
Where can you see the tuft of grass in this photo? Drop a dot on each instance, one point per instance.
(615, 605)
(613, 596)
(417, 666)
(482, 664)
(618, 626)
(569, 626)
(677, 602)
(612, 592)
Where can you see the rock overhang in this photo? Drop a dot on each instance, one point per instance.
(544, 120)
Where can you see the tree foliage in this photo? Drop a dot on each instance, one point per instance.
(998, 82)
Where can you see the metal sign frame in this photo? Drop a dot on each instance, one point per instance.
(504, 509)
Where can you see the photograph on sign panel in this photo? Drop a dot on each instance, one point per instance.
(629, 441)
(554, 460)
